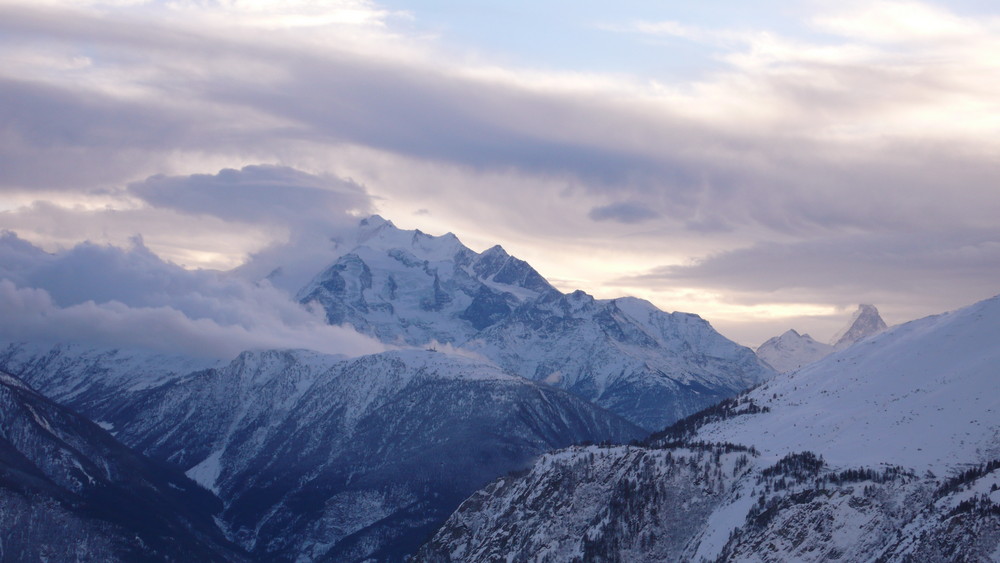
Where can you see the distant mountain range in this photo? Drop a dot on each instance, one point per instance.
(506, 420)
(791, 350)
(410, 288)
(327, 457)
(320, 456)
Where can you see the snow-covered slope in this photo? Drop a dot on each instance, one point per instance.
(864, 323)
(69, 491)
(406, 287)
(620, 503)
(792, 350)
(92, 380)
(886, 451)
(321, 456)
(623, 354)
(919, 395)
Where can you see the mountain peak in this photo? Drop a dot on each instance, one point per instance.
(375, 221)
(373, 227)
(495, 250)
(865, 322)
(791, 351)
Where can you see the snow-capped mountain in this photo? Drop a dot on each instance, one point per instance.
(410, 288)
(320, 456)
(864, 322)
(70, 491)
(792, 350)
(885, 451)
(93, 380)
(407, 287)
(912, 396)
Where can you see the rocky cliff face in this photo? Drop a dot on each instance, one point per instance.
(621, 503)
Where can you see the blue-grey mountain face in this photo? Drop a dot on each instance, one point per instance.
(321, 457)
(69, 491)
(652, 368)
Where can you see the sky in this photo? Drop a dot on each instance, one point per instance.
(766, 165)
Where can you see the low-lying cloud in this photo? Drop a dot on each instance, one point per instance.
(914, 274)
(108, 296)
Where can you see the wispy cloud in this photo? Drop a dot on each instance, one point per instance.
(623, 212)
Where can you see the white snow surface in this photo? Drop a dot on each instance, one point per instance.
(8, 379)
(207, 472)
(73, 367)
(792, 350)
(922, 395)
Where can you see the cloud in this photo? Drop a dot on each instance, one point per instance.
(108, 296)
(315, 211)
(796, 121)
(899, 22)
(921, 271)
(192, 241)
(259, 194)
(32, 316)
(216, 220)
(623, 212)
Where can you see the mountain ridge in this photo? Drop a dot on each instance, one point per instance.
(791, 350)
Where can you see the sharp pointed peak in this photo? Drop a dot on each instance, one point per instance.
(864, 322)
(496, 249)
